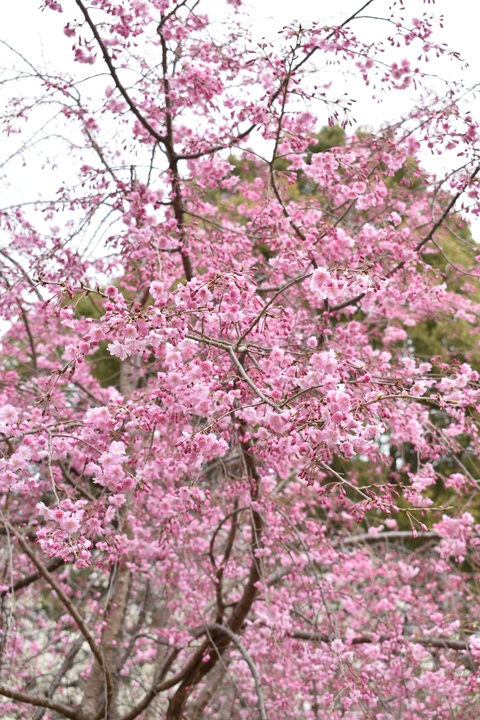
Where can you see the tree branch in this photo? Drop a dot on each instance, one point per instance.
(113, 72)
(419, 246)
(97, 653)
(43, 702)
(65, 666)
(440, 643)
(33, 577)
(251, 666)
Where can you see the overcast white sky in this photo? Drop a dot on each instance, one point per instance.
(39, 36)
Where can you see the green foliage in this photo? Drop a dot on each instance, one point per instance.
(105, 367)
(447, 258)
(86, 306)
(327, 138)
(447, 337)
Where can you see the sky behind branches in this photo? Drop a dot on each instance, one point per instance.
(38, 36)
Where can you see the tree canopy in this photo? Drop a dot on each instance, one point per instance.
(239, 389)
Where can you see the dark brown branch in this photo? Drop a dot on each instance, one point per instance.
(218, 641)
(245, 133)
(168, 141)
(226, 555)
(217, 148)
(217, 530)
(24, 273)
(441, 643)
(39, 701)
(273, 181)
(113, 72)
(95, 702)
(33, 577)
(209, 691)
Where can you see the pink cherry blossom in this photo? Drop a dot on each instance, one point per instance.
(239, 391)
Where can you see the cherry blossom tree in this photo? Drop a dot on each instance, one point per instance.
(236, 482)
